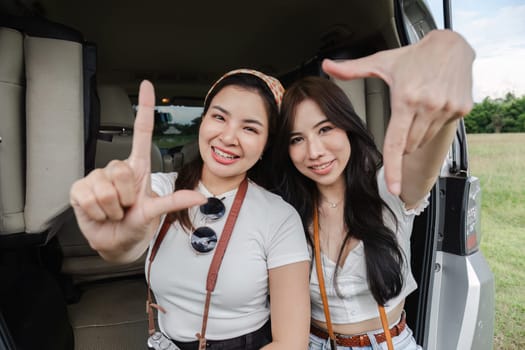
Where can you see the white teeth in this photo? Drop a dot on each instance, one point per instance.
(322, 166)
(222, 154)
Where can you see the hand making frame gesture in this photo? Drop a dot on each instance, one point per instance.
(429, 88)
(115, 207)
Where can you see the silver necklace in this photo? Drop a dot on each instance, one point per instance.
(332, 204)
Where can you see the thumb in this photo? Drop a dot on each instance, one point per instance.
(178, 200)
(365, 67)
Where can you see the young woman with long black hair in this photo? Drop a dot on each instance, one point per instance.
(358, 214)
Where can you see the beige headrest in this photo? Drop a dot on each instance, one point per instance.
(115, 107)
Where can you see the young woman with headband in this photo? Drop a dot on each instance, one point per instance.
(212, 266)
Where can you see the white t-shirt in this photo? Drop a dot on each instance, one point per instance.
(357, 303)
(268, 234)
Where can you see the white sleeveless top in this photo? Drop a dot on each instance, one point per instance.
(357, 303)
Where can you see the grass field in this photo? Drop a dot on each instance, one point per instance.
(167, 142)
(498, 160)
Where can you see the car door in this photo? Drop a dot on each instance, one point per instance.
(454, 306)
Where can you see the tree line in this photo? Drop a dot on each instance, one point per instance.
(497, 115)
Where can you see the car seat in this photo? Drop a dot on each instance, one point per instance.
(41, 125)
(49, 138)
(43, 85)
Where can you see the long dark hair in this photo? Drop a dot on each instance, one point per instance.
(191, 173)
(363, 207)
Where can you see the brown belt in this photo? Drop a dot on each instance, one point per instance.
(362, 339)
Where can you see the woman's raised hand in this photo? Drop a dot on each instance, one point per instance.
(115, 206)
(430, 85)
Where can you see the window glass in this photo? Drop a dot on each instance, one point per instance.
(436, 7)
(175, 126)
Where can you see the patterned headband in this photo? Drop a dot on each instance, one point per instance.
(275, 85)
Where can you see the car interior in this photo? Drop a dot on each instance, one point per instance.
(69, 76)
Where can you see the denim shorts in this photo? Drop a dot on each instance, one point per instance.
(404, 341)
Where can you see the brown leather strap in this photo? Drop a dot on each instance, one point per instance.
(202, 335)
(163, 230)
(225, 236)
(320, 278)
(386, 328)
(149, 302)
(213, 271)
(324, 298)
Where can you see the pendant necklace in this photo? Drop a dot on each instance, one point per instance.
(332, 204)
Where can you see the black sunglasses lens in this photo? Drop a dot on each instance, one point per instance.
(214, 208)
(203, 239)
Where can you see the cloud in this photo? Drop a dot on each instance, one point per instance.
(503, 30)
(494, 76)
(498, 36)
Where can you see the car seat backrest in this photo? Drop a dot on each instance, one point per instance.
(355, 90)
(186, 154)
(11, 132)
(42, 122)
(54, 126)
(115, 108)
(370, 98)
(378, 109)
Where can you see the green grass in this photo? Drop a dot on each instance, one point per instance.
(167, 142)
(498, 160)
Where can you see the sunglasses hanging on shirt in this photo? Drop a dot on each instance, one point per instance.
(204, 239)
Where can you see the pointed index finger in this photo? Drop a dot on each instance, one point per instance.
(143, 126)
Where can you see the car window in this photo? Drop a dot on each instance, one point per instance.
(436, 7)
(175, 126)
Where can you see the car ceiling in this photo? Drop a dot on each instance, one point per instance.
(180, 43)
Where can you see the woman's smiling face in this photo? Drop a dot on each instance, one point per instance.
(233, 133)
(318, 149)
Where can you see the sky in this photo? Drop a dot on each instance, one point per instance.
(496, 31)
